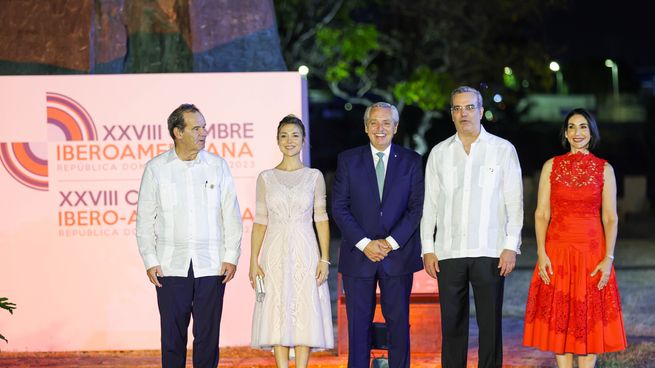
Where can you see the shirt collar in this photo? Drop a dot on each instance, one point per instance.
(172, 157)
(386, 152)
(483, 136)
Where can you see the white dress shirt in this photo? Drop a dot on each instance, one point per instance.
(475, 200)
(385, 159)
(188, 212)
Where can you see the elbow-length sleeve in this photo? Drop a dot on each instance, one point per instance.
(320, 211)
(261, 211)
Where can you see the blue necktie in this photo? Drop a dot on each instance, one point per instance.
(379, 172)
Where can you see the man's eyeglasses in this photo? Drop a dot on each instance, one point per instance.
(468, 108)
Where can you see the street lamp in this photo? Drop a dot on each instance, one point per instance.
(559, 78)
(303, 70)
(615, 77)
(554, 66)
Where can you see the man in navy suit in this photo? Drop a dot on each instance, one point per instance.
(377, 203)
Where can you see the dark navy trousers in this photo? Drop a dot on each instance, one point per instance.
(179, 298)
(360, 309)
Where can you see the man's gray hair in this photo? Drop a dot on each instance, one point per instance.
(465, 89)
(383, 105)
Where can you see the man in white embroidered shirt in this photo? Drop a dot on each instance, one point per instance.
(188, 231)
(474, 199)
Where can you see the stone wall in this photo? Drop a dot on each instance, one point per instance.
(138, 36)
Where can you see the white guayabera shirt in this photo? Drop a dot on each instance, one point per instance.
(188, 212)
(475, 201)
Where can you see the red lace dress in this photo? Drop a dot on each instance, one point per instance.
(571, 315)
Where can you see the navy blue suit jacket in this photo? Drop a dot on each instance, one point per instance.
(359, 213)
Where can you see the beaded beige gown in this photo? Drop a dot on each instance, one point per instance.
(294, 311)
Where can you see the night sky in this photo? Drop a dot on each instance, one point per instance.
(590, 31)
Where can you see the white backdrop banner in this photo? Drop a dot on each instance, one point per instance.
(73, 150)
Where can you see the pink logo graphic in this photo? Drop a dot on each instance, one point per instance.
(24, 160)
(24, 166)
(70, 118)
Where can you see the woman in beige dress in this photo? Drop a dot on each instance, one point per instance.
(295, 311)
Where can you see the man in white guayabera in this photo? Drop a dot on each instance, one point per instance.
(189, 234)
(474, 199)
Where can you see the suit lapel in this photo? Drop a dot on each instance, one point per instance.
(369, 171)
(392, 167)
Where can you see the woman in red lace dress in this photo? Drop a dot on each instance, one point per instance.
(573, 305)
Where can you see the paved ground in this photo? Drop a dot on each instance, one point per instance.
(515, 356)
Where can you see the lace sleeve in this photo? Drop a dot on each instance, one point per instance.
(261, 211)
(320, 212)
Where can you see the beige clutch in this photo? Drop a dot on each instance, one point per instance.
(260, 290)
